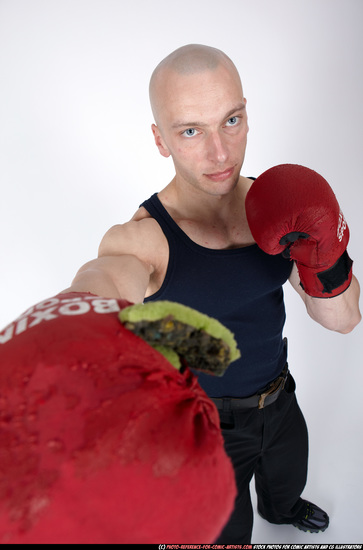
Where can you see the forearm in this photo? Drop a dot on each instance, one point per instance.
(340, 313)
(121, 277)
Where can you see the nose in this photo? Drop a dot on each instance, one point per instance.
(217, 150)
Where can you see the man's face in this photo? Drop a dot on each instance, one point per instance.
(203, 126)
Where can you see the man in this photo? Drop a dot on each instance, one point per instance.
(192, 243)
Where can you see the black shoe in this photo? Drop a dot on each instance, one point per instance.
(314, 520)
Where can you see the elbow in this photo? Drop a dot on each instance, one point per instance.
(350, 326)
(343, 324)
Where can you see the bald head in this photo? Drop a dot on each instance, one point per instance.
(187, 60)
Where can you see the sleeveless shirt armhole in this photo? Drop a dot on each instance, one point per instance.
(154, 208)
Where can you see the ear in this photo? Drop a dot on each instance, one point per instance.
(160, 144)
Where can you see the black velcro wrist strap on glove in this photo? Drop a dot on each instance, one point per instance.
(336, 275)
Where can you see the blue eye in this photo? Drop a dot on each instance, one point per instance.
(190, 132)
(232, 121)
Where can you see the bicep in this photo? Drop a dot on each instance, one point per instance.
(123, 276)
(124, 265)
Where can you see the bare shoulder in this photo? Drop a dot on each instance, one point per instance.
(141, 214)
(141, 237)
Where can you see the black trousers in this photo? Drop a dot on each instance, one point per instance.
(272, 445)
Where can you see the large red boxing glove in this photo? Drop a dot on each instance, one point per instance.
(293, 210)
(102, 440)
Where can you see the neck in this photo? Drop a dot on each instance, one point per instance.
(213, 221)
(189, 202)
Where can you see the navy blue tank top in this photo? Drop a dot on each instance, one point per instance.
(242, 288)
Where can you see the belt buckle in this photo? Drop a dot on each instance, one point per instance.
(261, 401)
(276, 386)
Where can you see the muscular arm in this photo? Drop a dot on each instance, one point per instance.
(123, 276)
(127, 264)
(340, 313)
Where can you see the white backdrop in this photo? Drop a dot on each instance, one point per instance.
(77, 156)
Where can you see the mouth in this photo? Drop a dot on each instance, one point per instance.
(221, 176)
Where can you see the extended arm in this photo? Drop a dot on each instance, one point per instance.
(118, 277)
(127, 264)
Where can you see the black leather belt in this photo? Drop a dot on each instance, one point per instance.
(261, 400)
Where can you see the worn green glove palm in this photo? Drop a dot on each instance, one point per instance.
(183, 335)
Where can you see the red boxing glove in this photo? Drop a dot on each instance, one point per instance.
(293, 210)
(102, 440)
